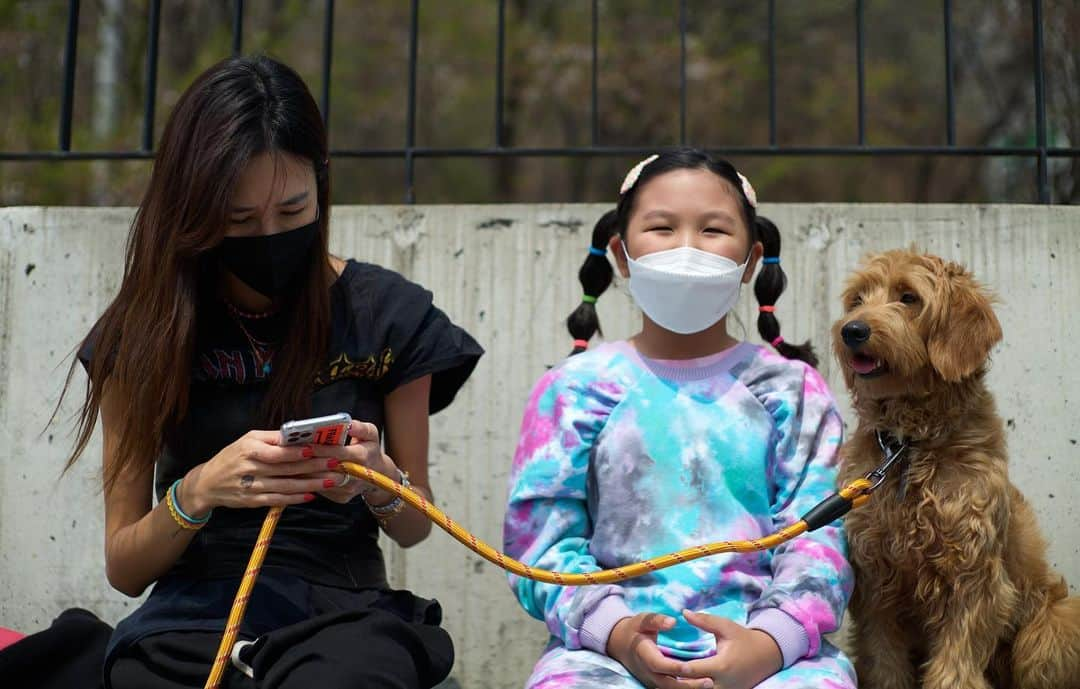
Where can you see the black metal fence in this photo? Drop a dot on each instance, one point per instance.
(1040, 152)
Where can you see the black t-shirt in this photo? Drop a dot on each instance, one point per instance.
(385, 332)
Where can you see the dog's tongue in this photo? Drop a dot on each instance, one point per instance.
(861, 363)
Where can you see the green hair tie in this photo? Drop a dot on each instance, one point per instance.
(588, 300)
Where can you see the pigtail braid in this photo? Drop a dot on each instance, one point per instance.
(595, 275)
(768, 287)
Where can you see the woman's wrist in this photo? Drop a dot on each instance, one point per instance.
(375, 496)
(385, 512)
(378, 498)
(190, 497)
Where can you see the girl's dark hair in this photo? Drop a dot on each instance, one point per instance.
(595, 276)
(144, 342)
(596, 272)
(768, 287)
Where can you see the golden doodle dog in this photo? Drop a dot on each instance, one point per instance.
(952, 586)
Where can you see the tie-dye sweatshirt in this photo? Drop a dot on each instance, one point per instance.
(623, 458)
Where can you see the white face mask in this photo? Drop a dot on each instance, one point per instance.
(685, 290)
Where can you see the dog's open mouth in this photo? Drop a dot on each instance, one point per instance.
(867, 366)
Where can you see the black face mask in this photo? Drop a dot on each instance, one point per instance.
(270, 264)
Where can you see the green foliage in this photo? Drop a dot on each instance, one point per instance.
(547, 92)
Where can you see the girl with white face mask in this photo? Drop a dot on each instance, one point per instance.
(679, 436)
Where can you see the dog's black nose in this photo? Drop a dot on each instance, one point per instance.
(855, 334)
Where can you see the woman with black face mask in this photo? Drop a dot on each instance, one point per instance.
(232, 318)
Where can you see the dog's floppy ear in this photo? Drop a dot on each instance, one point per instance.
(966, 327)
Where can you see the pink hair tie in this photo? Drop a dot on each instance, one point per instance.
(581, 344)
(777, 341)
(767, 309)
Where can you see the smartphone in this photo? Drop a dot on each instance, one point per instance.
(321, 430)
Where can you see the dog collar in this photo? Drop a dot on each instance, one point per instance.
(893, 450)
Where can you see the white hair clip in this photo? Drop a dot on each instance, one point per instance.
(748, 189)
(635, 172)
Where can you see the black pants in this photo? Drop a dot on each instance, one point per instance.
(357, 649)
(67, 655)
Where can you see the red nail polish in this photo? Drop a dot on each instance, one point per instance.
(308, 497)
(333, 463)
(329, 483)
(308, 452)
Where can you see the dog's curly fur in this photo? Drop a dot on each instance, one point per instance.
(952, 586)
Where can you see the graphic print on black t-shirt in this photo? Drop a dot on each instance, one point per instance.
(385, 333)
(241, 366)
(371, 367)
(234, 365)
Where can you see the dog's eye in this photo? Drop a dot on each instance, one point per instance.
(854, 303)
(909, 298)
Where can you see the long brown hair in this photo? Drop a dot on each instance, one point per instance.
(143, 344)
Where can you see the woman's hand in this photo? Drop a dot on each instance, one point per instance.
(254, 471)
(744, 657)
(633, 643)
(365, 450)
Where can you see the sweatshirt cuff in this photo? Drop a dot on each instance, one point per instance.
(785, 630)
(598, 622)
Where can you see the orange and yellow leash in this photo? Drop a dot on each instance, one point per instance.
(852, 495)
(243, 594)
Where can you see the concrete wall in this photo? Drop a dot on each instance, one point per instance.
(507, 273)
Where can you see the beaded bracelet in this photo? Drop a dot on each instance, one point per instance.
(179, 516)
(384, 513)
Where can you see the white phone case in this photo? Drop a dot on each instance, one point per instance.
(322, 430)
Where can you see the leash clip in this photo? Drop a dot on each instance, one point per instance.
(892, 452)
